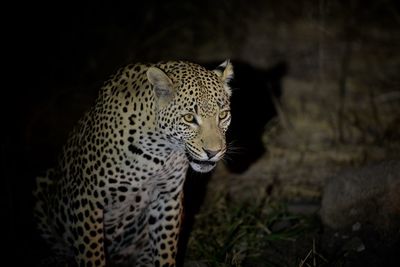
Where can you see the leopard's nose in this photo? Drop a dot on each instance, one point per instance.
(211, 153)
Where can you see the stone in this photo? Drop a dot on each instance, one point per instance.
(368, 195)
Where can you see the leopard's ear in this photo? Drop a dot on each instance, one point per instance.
(162, 85)
(225, 72)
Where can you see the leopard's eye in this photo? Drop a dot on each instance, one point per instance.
(189, 118)
(223, 115)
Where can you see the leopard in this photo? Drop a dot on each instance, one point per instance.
(114, 197)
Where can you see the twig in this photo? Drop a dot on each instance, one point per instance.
(305, 259)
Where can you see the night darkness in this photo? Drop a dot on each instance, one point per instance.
(324, 71)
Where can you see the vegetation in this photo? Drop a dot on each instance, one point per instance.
(260, 233)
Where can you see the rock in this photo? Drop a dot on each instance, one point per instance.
(356, 227)
(368, 195)
(354, 244)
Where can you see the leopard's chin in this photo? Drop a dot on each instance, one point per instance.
(202, 166)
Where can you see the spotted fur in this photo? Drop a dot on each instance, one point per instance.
(115, 196)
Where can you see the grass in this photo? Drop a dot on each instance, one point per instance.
(259, 233)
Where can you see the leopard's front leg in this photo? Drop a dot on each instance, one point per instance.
(88, 230)
(164, 226)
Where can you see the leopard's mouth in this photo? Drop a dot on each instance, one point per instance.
(201, 165)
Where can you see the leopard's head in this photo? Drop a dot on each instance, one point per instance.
(193, 109)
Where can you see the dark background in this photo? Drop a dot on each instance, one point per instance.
(57, 55)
